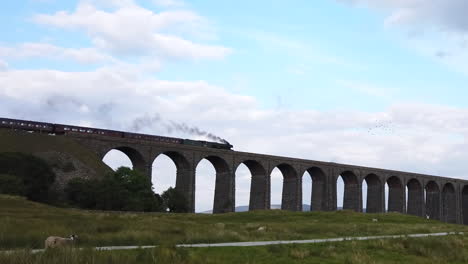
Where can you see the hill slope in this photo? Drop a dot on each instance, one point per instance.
(67, 158)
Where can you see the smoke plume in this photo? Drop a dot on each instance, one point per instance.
(171, 126)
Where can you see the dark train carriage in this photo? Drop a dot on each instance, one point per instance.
(152, 138)
(26, 125)
(64, 129)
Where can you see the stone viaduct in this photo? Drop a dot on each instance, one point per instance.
(440, 198)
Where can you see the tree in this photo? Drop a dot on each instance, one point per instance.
(36, 175)
(174, 201)
(123, 190)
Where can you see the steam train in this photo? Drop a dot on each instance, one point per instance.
(60, 129)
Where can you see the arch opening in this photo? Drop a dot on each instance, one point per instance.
(396, 195)
(374, 197)
(352, 191)
(290, 194)
(415, 196)
(224, 181)
(172, 169)
(448, 204)
(119, 156)
(432, 200)
(307, 192)
(116, 158)
(243, 181)
(163, 173)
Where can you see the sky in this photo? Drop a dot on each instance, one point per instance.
(380, 83)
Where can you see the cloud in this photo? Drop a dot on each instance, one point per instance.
(133, 30)
(169, 3)
(44, 50)
(443, 14)
(3, 66)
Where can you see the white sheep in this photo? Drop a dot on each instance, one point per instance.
(55, 241)
(375, 220)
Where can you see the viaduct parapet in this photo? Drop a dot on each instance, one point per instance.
(439, 198)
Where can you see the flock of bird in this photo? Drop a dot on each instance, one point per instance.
(381, 128)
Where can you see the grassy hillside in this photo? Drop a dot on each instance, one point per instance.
(32, 143)
(27, 224)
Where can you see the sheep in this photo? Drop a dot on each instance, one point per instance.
(55, 241)
(375, 220)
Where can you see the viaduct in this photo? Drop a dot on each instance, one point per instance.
(440, 198)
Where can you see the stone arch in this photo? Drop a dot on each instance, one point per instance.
(396, 195)
(352, 192)
(183, 176)
(290, 196)
(258, 186)
(432, 200)
(374, 203)
(415, 197)
(138, 161)
(465, 204)
(318, 195)
(224, 187)
(449, 213)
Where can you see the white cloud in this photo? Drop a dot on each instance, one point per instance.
(44, 50)
(169, 3)
(134, 30)
(3, 66)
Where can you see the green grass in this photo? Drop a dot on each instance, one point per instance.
(450, 249)
(25, 224)
(20, 141)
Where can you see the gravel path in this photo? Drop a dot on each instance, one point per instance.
(266, 243)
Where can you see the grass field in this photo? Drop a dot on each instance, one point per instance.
(25, 224)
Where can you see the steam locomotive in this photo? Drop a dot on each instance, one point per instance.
(60, 129)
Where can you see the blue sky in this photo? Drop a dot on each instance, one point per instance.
(298, 55)
(310, 79)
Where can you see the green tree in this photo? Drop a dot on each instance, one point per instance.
(123, 190)
(175, 201)
(36, 175)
